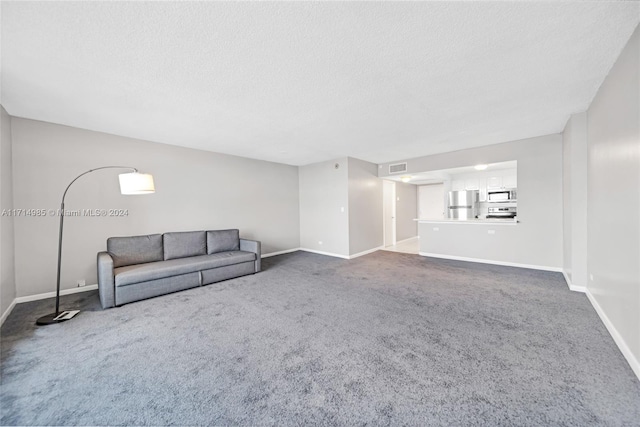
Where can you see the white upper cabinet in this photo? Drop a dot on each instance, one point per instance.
(485, 181)
(494, 182)
(457, 185)
(510, 181)
(471, 184)
(465, 184)
(502, 182)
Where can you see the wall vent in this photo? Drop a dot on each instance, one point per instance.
(398, 168)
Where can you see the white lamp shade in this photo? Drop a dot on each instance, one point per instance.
(136, 183)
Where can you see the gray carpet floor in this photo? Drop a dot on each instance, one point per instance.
(384, 339)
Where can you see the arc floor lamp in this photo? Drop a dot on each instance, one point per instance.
(130, 183)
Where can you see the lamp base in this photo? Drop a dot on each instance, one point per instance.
(59, 317)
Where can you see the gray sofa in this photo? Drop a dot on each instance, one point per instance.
(139, 267)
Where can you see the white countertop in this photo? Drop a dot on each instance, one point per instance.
(507, 221)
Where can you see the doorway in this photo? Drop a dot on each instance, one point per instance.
(389, 212)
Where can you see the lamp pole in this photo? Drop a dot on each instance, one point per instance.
(50, 319)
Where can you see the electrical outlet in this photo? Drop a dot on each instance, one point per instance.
(320, 242)
(80, 283)
(436, 229)
(491, 231)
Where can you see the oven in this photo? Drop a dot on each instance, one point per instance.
(502, 212)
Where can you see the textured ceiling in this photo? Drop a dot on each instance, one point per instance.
(299, 83)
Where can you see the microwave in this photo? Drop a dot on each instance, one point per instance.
(501, 195)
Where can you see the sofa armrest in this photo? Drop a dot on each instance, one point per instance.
(106, 280)
(252, 246)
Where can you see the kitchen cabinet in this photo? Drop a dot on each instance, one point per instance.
(465, 184)
(471, 184)
(457, 185)
(494, 183)
(502, 182)
(510, 181)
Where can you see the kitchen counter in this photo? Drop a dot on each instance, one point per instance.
(493, 240)
(492, 221)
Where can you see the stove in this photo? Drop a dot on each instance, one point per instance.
(502, 212)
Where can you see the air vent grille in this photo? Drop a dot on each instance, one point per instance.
(398, 168)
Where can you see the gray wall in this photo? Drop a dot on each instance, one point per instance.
(406, 211)
(614, 197)
(365, 206)
(342, 208)
(195, 190)
(574, 177)
(537, 239)
(7, 278)
(324, 207)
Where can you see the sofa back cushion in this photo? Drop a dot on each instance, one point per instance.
(222, 241)
(184, 244)
(135, 249)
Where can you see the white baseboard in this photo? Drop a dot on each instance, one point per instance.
(359, 254)
(313, 251)
(622, 345)
(45, 295)
(407, 240)
(488, 261)
(573, 287)
(53, 294)
(365, 252)
(7, 312)
(288, 251)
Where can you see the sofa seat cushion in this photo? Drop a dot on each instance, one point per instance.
(132, 274)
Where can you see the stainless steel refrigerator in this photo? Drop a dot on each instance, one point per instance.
(463, 204)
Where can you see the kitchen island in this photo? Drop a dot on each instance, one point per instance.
(485, 240)
(502, 221)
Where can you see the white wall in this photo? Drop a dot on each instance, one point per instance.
(406, 211)
(574, 184)
(613, 205)
(195, 190)
(365, 206)
(324, 207)
(7, 278)
(537, 239)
